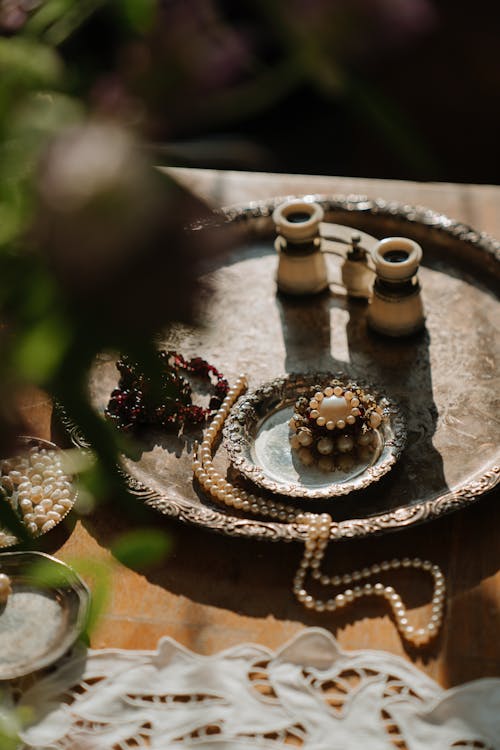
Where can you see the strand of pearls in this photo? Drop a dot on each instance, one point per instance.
(215, 485)
(320, 529)
(319, 533)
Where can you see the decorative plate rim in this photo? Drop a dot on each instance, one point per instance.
(238, 441)
(64, 642)
(211, 518)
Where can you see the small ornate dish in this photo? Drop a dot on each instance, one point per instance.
(34, 484)
(257, 440)
(43, 615)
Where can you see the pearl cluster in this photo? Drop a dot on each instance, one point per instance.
(335, 421)
(5, 588)
(320, 529)
(37, 489)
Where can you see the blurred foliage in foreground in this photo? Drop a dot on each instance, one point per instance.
(93, 251)
(83, 221)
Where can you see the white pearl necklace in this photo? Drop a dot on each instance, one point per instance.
(320, 530)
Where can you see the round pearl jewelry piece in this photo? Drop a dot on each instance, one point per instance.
(319, 529)
(325, 463)
(345, 443)
(305, 437)
(325, 446)
(336, 407)
(306, 456)
(333, 408)
(365, 438)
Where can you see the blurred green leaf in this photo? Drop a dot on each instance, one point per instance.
(48, 13)
(45, 113)
(69, 19)
(40, 350)
(75, 461)
(16, 166)
(142, 549)
(47, 574)
(97, 576)
(8, 740)
(40, 290)
(10, 222)
(93, 480)
(56, 20)
(10, 724)
(138, 14)
(27, 63)
(85, 502)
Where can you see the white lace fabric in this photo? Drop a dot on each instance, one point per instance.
(308, 694)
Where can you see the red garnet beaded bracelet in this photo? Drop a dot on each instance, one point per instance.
(139, 402)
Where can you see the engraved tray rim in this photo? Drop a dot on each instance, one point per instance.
(243, 416)
(244, 215)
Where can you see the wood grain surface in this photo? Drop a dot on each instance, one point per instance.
(214, 592)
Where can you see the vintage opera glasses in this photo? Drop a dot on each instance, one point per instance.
(383, 272)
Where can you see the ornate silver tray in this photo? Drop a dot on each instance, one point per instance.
(257, 444)
(44, 615)
(445, 380)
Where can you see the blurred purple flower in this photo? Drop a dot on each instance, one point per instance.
(109, 97)
(14, 14)
(394, 18)
(358, 26)
(406, 16)
(209, 51)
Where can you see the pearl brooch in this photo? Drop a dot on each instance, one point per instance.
(339, 411)
(319, 528)
(37, 489)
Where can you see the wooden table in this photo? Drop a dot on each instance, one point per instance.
(213, 591)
